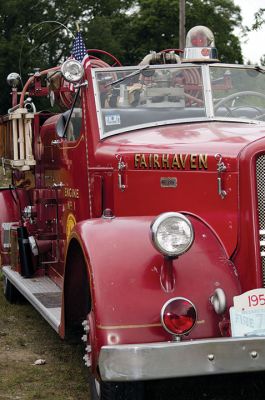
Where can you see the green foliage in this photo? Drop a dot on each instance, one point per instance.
(221, 16)
(25, 337)
(259, 20)
(127, 28)
(155, 26)
(33, 33)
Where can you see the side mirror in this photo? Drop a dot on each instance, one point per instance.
(61, 124)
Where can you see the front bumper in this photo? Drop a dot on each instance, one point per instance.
(178, 359)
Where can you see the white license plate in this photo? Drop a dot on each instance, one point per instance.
(248, 314)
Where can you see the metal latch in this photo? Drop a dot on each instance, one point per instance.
(121, 167)
(221, 168)
(56, 141)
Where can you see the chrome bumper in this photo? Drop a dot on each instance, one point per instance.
(178, 359)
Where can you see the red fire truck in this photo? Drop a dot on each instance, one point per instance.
(138, 213)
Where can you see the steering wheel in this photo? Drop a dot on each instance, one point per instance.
(233, 96)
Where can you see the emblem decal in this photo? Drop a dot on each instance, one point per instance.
(168, 182)
(70, 223)
(170, 161)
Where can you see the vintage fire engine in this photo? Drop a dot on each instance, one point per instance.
(138, 212)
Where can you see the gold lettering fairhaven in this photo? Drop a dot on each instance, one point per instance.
(171, 161)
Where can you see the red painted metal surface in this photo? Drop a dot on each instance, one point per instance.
(76, 181)
(128, 271)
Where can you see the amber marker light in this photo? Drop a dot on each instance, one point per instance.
(178, 316)
(172, 234)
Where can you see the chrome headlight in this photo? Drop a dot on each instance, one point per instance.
(72, 70)
(13, 79)
(172, 234)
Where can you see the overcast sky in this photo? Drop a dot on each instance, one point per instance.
(254, 48)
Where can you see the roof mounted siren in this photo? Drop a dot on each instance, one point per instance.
(200, 45)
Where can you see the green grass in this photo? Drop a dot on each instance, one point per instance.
(26, 337)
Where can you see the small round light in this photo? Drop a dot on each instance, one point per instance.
(178, 316)
(172, 234)
(218, 300)
(72, 70)
(13, 79)
(108, 213)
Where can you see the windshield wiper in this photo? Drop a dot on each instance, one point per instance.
(113, 83)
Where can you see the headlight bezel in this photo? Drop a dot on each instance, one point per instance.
(179, 301)
(156, 224)
(66, 72)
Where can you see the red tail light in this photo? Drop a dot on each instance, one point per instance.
(178, 316)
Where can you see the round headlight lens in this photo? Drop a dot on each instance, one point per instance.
(72, 70)
(172, 234)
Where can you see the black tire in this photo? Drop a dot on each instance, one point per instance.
(11, 293)
(116, 390)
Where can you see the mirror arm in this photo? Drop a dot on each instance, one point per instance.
(71, 111)
(79, 85)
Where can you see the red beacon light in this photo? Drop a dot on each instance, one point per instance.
(200, 45)
(178, 316)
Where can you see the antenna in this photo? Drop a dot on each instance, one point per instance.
(34, 27)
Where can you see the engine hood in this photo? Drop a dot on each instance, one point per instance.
(176, 168)
(198, 138)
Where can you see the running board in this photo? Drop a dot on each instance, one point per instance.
(41, 292)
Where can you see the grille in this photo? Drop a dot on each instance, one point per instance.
(260, 174)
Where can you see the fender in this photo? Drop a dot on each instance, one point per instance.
(125, 278)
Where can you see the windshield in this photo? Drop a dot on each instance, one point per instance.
(131, 98)
(238, 92)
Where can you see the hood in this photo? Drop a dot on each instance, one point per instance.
(197, 138)
(176, 168)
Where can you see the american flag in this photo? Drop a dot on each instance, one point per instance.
(79, 50)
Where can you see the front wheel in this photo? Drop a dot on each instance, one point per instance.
(101, 390)
(116, 390)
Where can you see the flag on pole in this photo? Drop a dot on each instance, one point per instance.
(79, 50)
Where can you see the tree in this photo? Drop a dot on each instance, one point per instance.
(38, 38)
(129, 29)
(154, 26)
(259, 20)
